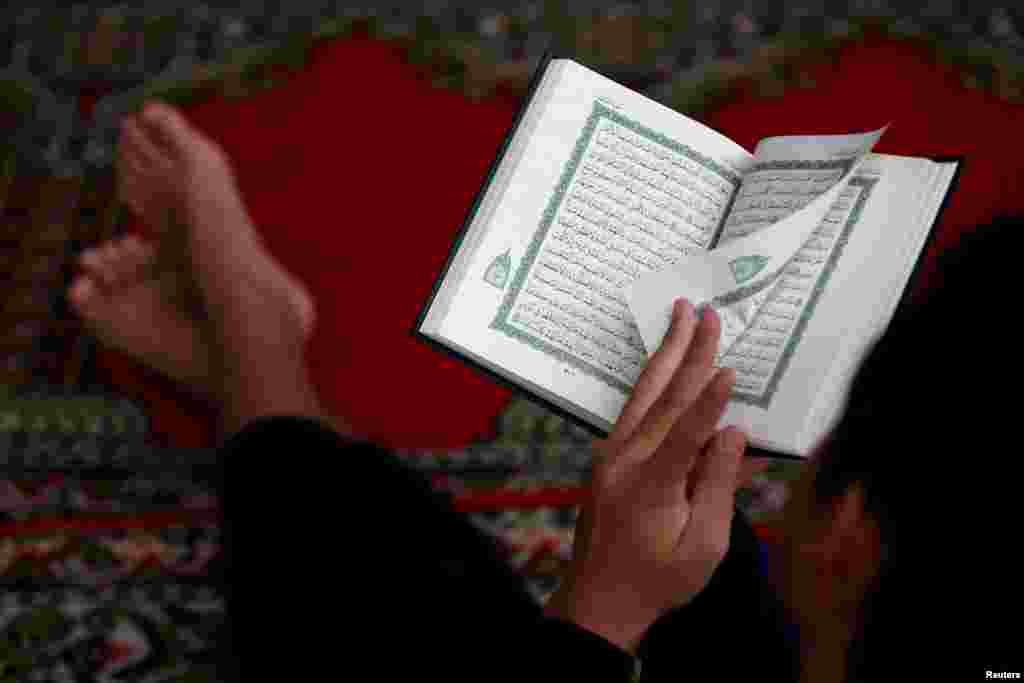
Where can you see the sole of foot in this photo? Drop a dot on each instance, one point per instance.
(129, 304)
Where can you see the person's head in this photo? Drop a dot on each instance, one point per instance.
(902, 532)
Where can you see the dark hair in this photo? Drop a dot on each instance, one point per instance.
(927, 430)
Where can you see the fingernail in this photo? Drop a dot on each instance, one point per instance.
(680, 308)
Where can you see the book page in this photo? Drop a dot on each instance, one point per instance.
(765, 321)
(770, 222)
(612, 185)
(766, 327)
(852, 270)
(909, 183)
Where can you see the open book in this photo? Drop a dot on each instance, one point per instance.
(604, 206)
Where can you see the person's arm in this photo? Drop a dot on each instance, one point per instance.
(377, 569)
(738, 618)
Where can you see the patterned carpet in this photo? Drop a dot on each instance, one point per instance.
(108, 538)
(57, 62)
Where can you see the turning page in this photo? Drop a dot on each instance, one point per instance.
(766, 327)
(792, 187)
(780, 243)
(795, 340)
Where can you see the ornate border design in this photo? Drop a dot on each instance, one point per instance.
(598, 113)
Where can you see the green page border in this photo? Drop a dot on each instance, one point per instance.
(742, 293)
(598, 113)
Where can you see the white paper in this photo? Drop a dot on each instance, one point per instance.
(722, 277)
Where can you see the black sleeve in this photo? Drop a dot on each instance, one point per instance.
(737, 627)
(339, 558)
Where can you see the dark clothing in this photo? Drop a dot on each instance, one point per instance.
(379, 574)
(736, 629)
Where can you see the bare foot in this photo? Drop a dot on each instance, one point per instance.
(134, 306)
(130, 308)
(140, 297)
(185, 181)
(175, 177)
(182, 183)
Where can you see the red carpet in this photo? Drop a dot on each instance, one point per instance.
(359, 176)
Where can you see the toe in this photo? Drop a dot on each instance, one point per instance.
(169, 128)
(120, 261)
(138, 147)
(171, 131)
(107, 257)
(82, 294)
(89, 259)
(97, 263)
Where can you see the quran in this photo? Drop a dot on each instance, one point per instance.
(604, 206)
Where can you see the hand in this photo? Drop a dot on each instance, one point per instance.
(664, 482)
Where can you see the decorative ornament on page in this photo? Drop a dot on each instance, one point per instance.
(497, 273)
(747, 267)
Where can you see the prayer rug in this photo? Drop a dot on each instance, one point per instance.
(129, 561)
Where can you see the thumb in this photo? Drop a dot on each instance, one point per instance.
(714, 490)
